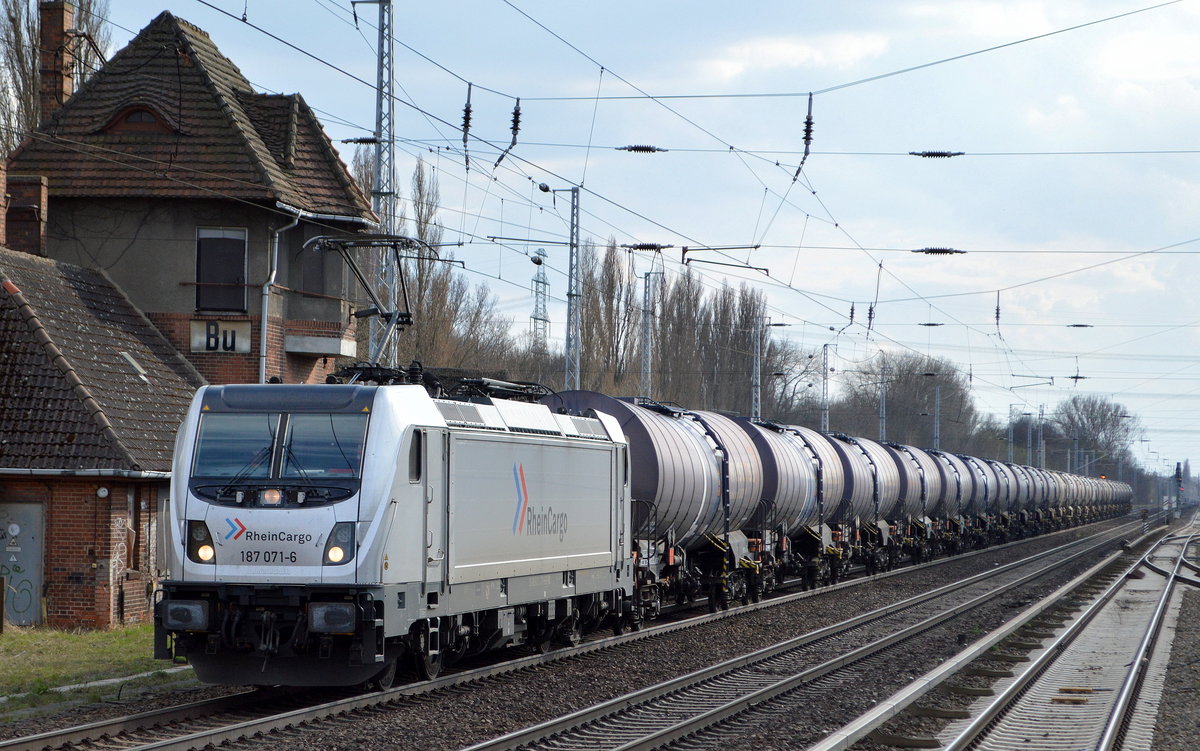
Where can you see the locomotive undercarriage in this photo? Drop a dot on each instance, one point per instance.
(438, 642)
(269, 635)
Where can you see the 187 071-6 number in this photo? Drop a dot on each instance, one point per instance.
(269, 556)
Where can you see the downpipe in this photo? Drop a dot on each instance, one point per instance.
(272, 273)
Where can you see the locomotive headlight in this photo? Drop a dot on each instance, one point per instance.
(200, 543)
(185, 615)
(270, 497)
(339, 548)
(332, 617)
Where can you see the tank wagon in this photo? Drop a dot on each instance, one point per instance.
(720, 516)
(318, 535)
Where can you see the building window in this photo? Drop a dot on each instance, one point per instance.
(221, 269)
(137, 120)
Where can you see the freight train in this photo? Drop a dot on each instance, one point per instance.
(326, 534)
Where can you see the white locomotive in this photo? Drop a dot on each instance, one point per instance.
(319, 533)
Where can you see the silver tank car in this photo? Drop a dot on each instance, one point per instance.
(883, 479)
(960, 485)
(675, 466)
(922, 481)
(831, 474)
(985, 484)
(1004, 499)
(789, 474)
(856, 501)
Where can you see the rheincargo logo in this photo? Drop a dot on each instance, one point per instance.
(522, 498)
(542, 521)
(238, 530)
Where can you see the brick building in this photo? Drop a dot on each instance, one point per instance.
(156, 225)
(196, 195)
(92, 395)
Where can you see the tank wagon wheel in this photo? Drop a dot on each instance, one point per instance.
(739, 589)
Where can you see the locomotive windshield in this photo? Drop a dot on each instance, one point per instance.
(316, 445)
(235, 445)
(249, 446)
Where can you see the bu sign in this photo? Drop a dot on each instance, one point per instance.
(221, 336)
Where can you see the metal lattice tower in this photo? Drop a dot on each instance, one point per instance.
(647, 332)
(571, 374)
(383, 197)
(756, 370)
(539, 322)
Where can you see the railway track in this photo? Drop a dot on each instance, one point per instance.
(719, 706)
(246, 715)
(1090, 675)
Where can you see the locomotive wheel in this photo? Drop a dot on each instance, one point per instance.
(428, 666)
(570, 634)
(385, 678)
(541, 636)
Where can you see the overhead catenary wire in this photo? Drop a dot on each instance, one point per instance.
(805, 220)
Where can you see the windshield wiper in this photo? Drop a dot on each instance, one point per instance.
(254, 463)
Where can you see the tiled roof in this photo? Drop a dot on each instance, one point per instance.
(224, 139)
(72, 397)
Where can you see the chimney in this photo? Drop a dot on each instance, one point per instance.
(28, 205)
(56, 57)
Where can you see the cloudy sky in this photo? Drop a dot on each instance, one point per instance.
(1075, 199)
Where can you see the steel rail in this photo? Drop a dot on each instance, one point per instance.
(1124, 699)
(894, 705)
(140, 721)
(711, 716)
(971, 733)
(134, 723)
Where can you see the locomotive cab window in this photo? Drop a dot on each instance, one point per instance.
(235, 445)
(415, 455)
(278, 459)
(323, 445)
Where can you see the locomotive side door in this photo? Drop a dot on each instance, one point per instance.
(437, 507)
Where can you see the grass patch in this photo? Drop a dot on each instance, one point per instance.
(34, 660)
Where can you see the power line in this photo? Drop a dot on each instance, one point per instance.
(861, 81)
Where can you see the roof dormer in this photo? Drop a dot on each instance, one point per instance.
(138, 119)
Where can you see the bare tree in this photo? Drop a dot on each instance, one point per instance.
(454, 325)
(912, 396)
(19, 74)
(362, 168)
(1096, 432)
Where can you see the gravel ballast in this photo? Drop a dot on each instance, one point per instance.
(461, 717)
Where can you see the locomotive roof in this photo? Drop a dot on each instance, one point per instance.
(478, 414)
